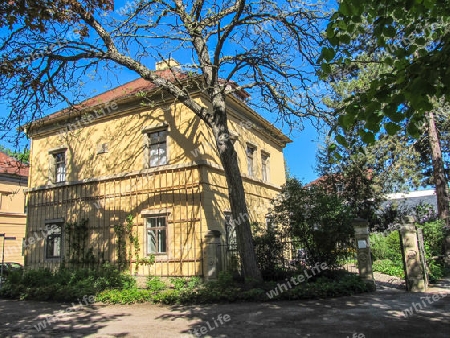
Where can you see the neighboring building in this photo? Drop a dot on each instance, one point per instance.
(156, 162)
(412, 198)
(13, 182)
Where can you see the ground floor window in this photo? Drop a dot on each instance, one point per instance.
(53, 243)
(156, 235)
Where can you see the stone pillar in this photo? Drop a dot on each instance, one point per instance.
(363, 251)
(414, 271)
(212, 255)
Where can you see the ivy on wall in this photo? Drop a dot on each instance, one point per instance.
(134, 247)
(77, 233)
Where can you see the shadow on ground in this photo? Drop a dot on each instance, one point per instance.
(374, 314)
(44, 319)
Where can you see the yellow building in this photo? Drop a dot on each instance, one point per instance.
(124, 153)
(13, 182)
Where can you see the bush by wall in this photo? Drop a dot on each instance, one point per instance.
(110, 286)
(387, 257)
(64, 284)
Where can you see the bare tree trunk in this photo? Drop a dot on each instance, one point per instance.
(228, 158)
(439, 178)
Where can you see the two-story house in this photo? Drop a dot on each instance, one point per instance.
(13, 182)
(135, 151)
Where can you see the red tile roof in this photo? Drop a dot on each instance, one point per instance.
(9, 165)
(126, 90)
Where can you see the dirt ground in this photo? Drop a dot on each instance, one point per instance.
(377, 314)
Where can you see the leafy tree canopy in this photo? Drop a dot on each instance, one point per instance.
(412, 38)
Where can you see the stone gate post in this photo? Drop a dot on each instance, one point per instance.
(363, 251)
(414, 269)
(212, 255)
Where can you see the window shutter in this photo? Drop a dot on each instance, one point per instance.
(51, 169)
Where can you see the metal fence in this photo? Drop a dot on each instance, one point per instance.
(289, 260)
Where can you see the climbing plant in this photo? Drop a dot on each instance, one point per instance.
(119, 231)
(134, 242)
(134, 247)
(76, 236)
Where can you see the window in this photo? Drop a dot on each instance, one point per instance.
(60, 166)
(250, 151)
(156, 235)
(339, 188)
(53, 241)
(157, 145)
(230, 231)
(265, 167)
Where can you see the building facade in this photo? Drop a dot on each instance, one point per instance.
(127, 163)
(13, 183)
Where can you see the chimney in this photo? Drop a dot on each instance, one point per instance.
(168, 64)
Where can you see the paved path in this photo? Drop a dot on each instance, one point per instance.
(377, 314)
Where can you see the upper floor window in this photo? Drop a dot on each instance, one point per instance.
(265, 167)
(156, 235)
(250, 163)
(157, 148)
(57, 165)
(60, 166)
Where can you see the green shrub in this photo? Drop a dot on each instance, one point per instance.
(389, 267)
(268, 250)
(394, 249)
(434, 236)
(65, 284)
(225, 290)
(386, 246)
(155, 284)
(378, 246)
(320, 221)
(124, 296)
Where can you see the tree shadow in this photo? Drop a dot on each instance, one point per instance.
(369, 314)
(47, 319)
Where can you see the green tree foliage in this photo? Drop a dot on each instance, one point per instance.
(413, 39)
(269, 251)
(22, 156)
(319, 219)
(408, 42)
(394, 160)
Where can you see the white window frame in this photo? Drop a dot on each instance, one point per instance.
(160, 142)
(60, 167)
(54, 165)
(157, 232)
